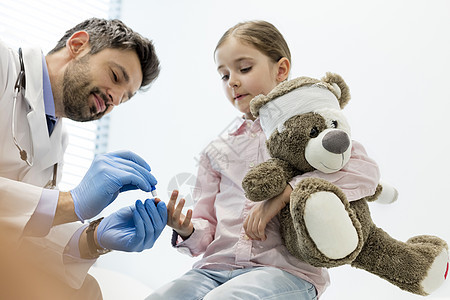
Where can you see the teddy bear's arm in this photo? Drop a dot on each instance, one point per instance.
(267, 179)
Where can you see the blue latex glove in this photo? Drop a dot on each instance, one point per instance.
(133, 228)
(109, 175)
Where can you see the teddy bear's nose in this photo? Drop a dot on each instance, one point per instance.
(336, 141)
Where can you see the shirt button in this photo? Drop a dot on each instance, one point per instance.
(251, 165)
(252, 135)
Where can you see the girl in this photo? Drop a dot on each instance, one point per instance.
(243, 254)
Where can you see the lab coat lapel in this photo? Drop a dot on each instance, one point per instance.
(49, 151)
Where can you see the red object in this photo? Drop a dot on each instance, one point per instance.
(446, 272)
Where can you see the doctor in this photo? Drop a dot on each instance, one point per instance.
(96, 66)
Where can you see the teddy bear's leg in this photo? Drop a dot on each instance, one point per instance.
(325, 227)
(329, 225)
(419, 266)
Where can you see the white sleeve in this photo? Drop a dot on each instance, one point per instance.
(18, 202)
(49, 252)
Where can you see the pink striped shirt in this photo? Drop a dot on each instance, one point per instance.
(221, 206)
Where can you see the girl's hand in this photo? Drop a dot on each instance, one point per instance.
(179, 222)
(261, 214)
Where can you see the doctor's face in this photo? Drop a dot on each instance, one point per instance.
(95, 83)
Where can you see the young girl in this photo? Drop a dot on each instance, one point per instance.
(243, 254)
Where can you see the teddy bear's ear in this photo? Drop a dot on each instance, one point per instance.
(342, 93)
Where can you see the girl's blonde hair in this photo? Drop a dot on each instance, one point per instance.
(262, 35)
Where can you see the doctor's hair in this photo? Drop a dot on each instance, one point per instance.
(114, 34)
(262, 35)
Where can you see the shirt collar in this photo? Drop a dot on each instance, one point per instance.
(241, 125)
(49, 103)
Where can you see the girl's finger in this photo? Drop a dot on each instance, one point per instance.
(178, 209)
(172, 200)
(250, 227)
(246, 223)
(187, 219)
(261, 228)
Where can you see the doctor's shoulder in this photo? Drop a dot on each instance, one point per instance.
(7, 65)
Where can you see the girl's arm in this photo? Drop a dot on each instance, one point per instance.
(203, 219)
(261, 214)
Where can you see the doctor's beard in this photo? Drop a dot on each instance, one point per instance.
(77, 88)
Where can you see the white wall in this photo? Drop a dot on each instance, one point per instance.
(393, 54)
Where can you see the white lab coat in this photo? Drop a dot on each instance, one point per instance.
(21, 185)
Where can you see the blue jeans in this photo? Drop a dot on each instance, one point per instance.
(252, 283)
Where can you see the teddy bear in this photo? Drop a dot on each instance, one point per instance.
(307, 131)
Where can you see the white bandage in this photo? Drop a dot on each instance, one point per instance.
(299, 101)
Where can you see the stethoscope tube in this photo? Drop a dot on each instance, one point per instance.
(19, 87)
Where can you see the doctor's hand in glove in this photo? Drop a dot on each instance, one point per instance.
(110, 174)
(133, 228)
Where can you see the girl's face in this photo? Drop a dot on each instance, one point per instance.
(245, 73)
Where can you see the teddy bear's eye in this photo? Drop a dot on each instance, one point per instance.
(334, 124)
(314, 132)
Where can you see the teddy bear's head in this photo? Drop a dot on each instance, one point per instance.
(304, 124)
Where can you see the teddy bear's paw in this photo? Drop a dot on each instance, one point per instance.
(388, 195)
(438, 271)
(265, 181)
(330, 226)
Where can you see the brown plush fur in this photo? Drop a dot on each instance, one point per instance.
(403, 264)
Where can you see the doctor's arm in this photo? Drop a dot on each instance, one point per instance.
(65, 248)
(68, 251)
(108, 175)
(65, 210)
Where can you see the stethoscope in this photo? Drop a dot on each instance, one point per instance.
(19, 88)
